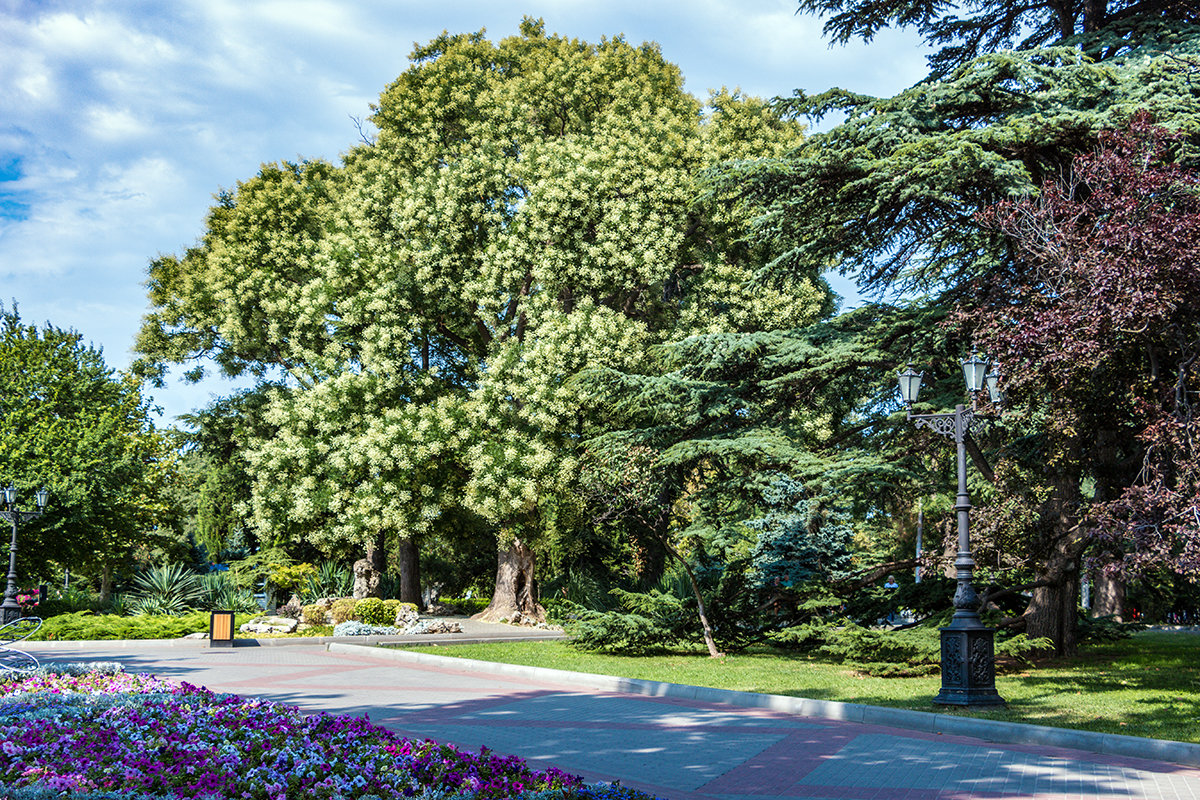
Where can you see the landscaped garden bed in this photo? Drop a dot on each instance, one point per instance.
(103, 733)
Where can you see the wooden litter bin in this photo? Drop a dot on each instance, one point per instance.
(220, 629)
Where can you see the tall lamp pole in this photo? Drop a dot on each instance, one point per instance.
(11, 609)
(968, 646)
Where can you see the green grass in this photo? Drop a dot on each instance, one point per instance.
(1148, 685)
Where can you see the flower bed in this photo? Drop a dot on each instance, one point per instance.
(108, 734)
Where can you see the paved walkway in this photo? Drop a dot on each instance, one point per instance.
(674, 748)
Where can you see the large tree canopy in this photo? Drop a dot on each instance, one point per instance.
(527, 209)
(72, 425)
(1102, 28)
(1098, 325)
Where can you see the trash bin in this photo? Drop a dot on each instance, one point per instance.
(220, 629)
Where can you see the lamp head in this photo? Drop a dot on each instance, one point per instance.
(974, 369)
(10, 494)
(910, 384)
(992, 381)
(41, 496)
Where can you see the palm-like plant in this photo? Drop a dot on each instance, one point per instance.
(218, 592)
(331, 580)
(169, 589)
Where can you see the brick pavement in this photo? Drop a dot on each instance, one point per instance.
(675, 748)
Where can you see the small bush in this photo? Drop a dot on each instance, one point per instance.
(68, 600)
(166, 590)
(313, 615)
(372, 611)
(342, 610)
(392, 605)
(467, 606)
(1105, 629)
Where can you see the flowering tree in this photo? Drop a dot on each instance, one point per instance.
(527, 209)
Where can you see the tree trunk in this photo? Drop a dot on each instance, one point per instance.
(1109, 598)
(515, 596)
(410, 572)
(709, 641)
(1051, 613)
(106, 584)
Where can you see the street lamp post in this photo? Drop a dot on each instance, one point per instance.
(968, 646)
(11, 609)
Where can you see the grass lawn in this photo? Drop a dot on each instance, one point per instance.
(1148, 685)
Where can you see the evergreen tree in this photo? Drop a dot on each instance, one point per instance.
(1100, 28)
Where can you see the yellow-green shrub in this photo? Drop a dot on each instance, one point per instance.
(313, 615)
(372, 611)
(343, 610)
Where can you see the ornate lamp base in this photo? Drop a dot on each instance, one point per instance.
(9, 613)
(968, 664)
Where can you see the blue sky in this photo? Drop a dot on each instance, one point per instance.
(120, 120)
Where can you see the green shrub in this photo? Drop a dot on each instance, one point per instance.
(291, 577)
(1021, 646)
(392, 605)
(67, 600)
(615, 632)
(882, 653)
(331, 580)
(1105, 629)
(313, 615)
(465, 605)
(343, 610)
(220, 593)
(84, 625)
(372, 611)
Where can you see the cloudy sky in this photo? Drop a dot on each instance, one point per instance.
(120, 120)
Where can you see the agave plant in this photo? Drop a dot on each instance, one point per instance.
(169, 589)
(118, 604)
(158, 606)
(331, 580)
(218, 592)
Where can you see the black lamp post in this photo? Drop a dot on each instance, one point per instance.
(11, 609)
(968, 646)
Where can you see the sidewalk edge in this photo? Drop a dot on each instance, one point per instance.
(1184, 753)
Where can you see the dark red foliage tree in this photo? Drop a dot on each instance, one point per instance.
(1097, 325)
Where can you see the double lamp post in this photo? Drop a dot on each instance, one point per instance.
(10, 611)
(967, 645)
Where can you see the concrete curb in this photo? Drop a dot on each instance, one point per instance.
(990, 730)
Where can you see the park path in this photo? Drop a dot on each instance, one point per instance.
(674, 748)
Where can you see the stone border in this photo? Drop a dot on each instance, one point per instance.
(1184, 753)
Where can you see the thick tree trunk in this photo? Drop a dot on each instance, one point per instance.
(1109, 597)
(410, 572)
(1051, 613)
(515, 596)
